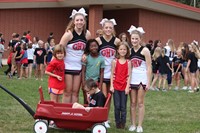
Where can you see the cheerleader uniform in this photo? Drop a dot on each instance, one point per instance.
(74, 51)
(108, 52)
(139, 69)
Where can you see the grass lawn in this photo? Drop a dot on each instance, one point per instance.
(166, 112)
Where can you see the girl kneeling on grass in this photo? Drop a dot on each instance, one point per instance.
(120, 81)
(56, 72)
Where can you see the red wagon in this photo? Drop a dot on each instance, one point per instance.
(66, 117)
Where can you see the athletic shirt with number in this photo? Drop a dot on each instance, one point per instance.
(139, 68)
(107, 51)
(74, 51)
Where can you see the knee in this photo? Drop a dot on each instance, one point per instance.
(140, 105)
(133, 105)
(67, 93)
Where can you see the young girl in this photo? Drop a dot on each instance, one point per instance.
(74, 40)
(185, 53)
(170, 52)
(24, 61)
(140, 76)
(56, 72)
(164, 68)
(120, 81)
(156, 54)
(40, 59)
(94, 96)
(30, 53)
(176, 67)
(50, 49)
(192, 66)
(93, 68)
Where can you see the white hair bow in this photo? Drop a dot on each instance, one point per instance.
(196, 42)
(107, 20)
(133, 28)
(80, 11)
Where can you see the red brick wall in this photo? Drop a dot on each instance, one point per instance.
(163, 26)
(39, 21)
(156, 25)
(124, 19)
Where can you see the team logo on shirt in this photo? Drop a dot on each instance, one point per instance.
(39, 52)
(108, 52)
(79, 46)
(136, 62)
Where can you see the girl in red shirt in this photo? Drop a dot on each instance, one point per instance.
(56, 72)
(120, 81)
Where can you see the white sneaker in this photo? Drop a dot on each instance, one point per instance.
(106, 124)
(184, 88)
(157, 89)
(176, 88)
(132, 128)
(191, 91)
(151, 88)
(139, 129)
(189, 88)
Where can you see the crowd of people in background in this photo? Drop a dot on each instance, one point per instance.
(122, 65)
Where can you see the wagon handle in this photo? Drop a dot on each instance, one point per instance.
(41, 94)
(107, 100)
(24, 104)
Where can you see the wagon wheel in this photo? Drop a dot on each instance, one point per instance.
(99, 128)
(40, 127)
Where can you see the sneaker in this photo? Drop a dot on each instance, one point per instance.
(10, 76)
(139, 129)
(191, 91)
(184, 88)
(197, 90)
(151, 88)
(189, 88)
(132, 128)
(164, 90)
(156, 89)
(176, 88)
(106, 124)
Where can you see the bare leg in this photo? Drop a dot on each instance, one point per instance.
(141, 107)
(133, 97)
(76, 87)
(30, 70)
(67, 94)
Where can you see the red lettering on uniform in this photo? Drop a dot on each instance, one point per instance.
(108, 52)
(79, 46)
(136, 62)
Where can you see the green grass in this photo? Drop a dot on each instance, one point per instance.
(166, 112)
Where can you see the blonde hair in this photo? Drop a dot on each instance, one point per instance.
(196, 50)
(59, 48)
(71, 24)
(163, 52)
(171, 45)
(157, 53)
